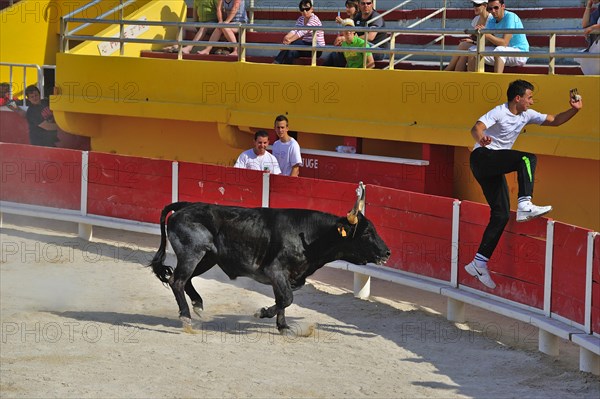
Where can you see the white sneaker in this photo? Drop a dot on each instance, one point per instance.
(527, 211)
(481, 274)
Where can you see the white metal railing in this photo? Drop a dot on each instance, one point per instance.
(37, 69)
(243, 45)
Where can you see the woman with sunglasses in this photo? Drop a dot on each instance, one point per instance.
(458, 62)
(301, 36)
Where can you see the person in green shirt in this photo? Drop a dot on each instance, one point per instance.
(355, 59)
(204, 11)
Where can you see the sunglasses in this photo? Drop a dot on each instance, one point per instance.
(495, 8)
(305, 8)
(366, 3)
(478, 5)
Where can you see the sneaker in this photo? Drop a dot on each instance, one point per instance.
(527, 211)
(481, 274)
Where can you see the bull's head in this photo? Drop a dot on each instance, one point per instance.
(362, 244)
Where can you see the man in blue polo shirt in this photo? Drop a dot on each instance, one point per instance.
(502, 19)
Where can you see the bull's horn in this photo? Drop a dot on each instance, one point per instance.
(359, 205)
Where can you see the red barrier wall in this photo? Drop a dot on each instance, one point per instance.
(568, 271)
(128, 187)
(14, 129)
(320, 195)
(416, 227)
(400, 176)
(517, 265)
(220, 185)
(41, 176)
(596, 286)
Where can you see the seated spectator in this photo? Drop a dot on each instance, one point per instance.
(234, 11)
(258, 158)
(591, 23)
(43, 131)
(5, 95)
(355, 59)
(502, 19)
(301, 36)
(458, 62)
(351, 11)
(365, 14)
(204, 11)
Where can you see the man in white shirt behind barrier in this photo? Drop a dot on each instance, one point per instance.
(258, 158)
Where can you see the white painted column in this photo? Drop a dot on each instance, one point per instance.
(589, 361)
(174, 181)
(362, 286)
(85, 230)
(266, 187)
(456, 311)
(548, 343)
(362, 282)
(548, 268)
(454, 244)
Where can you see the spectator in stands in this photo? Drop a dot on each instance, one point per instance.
(258, 158)
(204, 11)
(351, 11)
(502, 19)
(234, 11)
(286, 149)
(493, 157)
(355, 59)
(5, 95)
(459, 63)
(43, 131)
(591, 23)
(365, 14)
(301, 36)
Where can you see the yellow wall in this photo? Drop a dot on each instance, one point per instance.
(30, 30)
(410, 106)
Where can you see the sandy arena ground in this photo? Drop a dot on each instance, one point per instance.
(88, 320)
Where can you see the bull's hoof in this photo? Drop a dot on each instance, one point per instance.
(186, 323)
(261, 313)
(286, 331)
(297, 331)
(198, 308)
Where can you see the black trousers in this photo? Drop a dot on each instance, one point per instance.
(489, 168)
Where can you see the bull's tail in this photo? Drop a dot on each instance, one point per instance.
(162, 271)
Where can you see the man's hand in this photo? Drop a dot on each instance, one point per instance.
(575, 100)
(485, 140)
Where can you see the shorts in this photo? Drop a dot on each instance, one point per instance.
(508, 61)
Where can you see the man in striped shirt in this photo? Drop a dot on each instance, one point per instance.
(301, 36)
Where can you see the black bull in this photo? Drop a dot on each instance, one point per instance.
(280, 247)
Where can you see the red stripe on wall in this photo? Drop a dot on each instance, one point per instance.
(41, 176)
(128, 187)
(568, 271)
(220, 185)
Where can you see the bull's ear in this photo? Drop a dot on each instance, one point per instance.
(342, 231)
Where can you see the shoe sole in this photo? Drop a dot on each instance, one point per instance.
(534, 217)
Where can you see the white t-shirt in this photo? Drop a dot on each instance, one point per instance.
(504, 127)
(476, 19)
(287, 154)
(249, 160)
